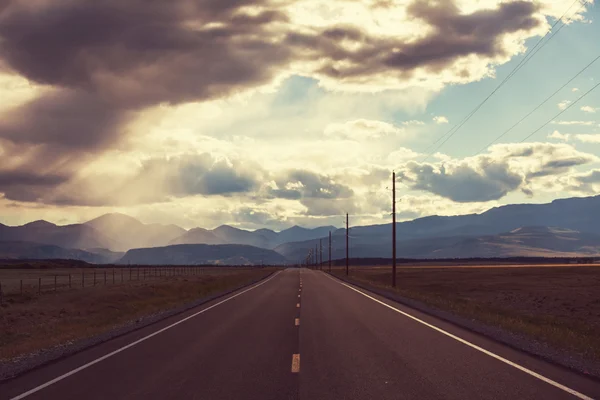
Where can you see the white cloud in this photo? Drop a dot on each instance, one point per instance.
(589, 109)
(559, 136)
(583, 123)
(413, 122)
(563, 104)
(362, 129)
(440, 119)
(575, 89)
(588, 138)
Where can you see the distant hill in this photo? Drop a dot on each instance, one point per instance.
(537, 241)
(35, 251)
(109, 256)
(77, 236)
(127, 232)
(198, 236)
(202, 254)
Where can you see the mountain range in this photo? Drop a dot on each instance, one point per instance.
(565, 227)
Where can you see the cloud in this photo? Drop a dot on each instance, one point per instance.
(589, 109)
(563, 104)
(583, 123)
(575, 89)
(440, 119)
(581, 137)
(504, 169)
(301, 184)
(158, 179)
(588, 138)
(362, 129)
(559, 136)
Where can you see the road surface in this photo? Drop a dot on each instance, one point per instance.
(300, 334)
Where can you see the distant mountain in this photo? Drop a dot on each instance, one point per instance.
(202, 254)
(577, 213)
(264, 238)
(198, 236)
(127, 232)
(233, 235)
(36, 251)
(537, 241)
(297, 233)
(66, 236)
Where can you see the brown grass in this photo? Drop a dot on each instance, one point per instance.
(29, 323)
(559, 305)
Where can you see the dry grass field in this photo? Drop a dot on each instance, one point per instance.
(558, 304)
(31, 322)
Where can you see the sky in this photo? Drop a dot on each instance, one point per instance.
(273, 113)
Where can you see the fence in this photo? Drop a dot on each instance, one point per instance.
(28, 282)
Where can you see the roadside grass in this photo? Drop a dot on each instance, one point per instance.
(29, 323)
(559, 307)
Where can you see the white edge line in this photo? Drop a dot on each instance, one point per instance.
(474, 346)
(104, 357)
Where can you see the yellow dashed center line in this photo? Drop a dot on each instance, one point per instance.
(297, 322)
(299, 295)
(298, 305)
(296, 363)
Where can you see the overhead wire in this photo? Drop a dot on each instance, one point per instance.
(532, 51)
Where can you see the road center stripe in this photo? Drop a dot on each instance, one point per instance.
(296, 363)
(297, 322)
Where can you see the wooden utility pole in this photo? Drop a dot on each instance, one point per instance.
(329, 251)
(394, 229)
(320, 254)
(316, 256)
(347, 259)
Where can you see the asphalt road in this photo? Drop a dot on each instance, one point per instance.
(301, 335)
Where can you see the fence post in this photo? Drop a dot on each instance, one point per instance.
(1, 295)
(94, 277)
(82, 278)
(138, 273)
(105, 277)
(70, 281)
(40, 285)
(54, 283)
(130, 273)
(21, 287)
(121, 275)
(113, 275)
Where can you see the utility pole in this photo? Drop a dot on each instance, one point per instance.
(316, 257)
(347, 260)
(393, 229)
(330, 251)
(320, 254)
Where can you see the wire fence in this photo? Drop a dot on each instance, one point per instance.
(28, 282)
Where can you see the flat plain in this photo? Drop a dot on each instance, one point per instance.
(557, 304)
(31, 322)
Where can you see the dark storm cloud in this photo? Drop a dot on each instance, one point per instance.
(453, 35)
(301, 184)
(138, 53)
(66, 118)
(107, 59)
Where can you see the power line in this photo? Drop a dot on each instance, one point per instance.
(538, 106)
(557, 115)
(524, 61)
